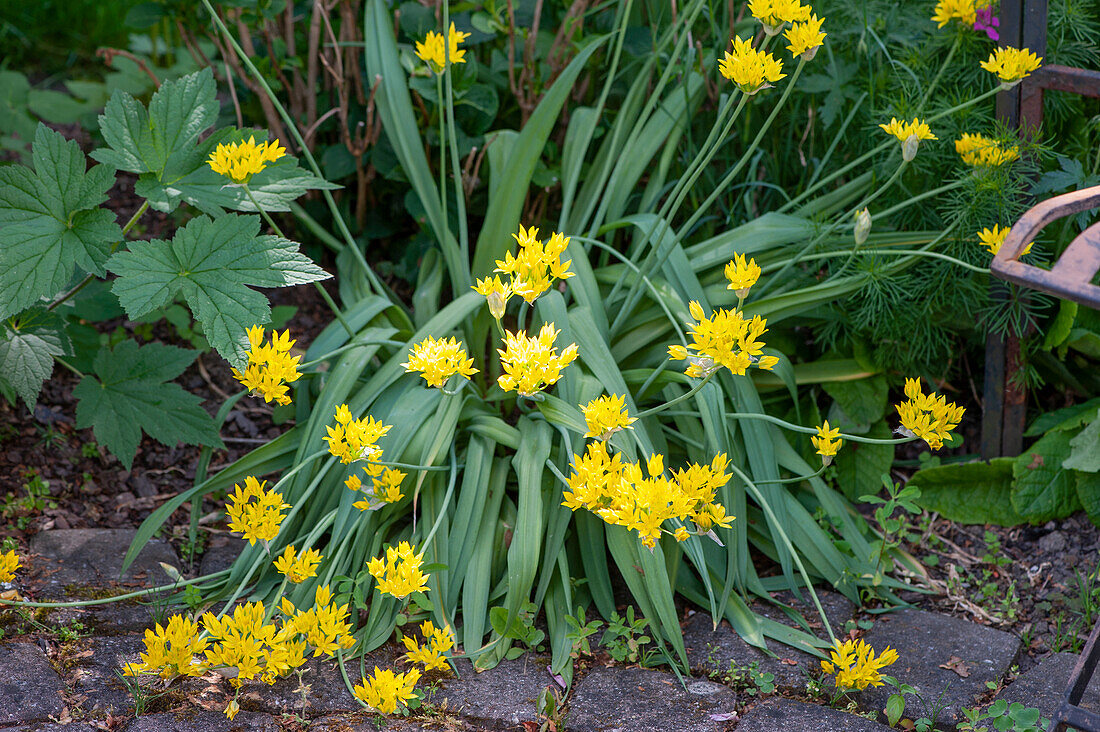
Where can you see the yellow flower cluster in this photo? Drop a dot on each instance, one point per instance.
(1010, 65)
(615, 490)
(749, 69)
(772, 14)
(399, 573)
(170, 650)
(254, 511)
(742, 275)
(270, 368)
(981, 151)
(433, 51)
(533, 268)
(298, 567)
(827, 441)
(439, 360)
(927, 416)
(965, 11)
(385, 689)
(436, 642)
(532, 363)
(245, 641)
(325, 625)
(854, 666)
(606, 416)
(904, 130)
(723, 339)
(385, 486)
(9, 562)
(355, 439)
(992, 239)
(805, 38)
(242, 160)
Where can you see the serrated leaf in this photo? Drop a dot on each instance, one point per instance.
(131, 392)
(211, 263)
(1085, 449)
(27, 347)
(971, 493)
(859, 466)
(1044, 490)
(51, 223)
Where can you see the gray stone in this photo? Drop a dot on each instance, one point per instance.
(29, 687)
(367, 722)
(926, 642)
(1044, 686)
(115, 618)
(644, 700)
(93, 558)
(327, 691)
(52, 727)
(94, 674)
(1052, 543)
(221, 553)
(794, 716)
(202, 721)
(499, 698)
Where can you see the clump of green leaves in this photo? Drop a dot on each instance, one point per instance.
(626, 641)
(1004, 717)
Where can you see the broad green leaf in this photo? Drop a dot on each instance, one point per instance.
(1045, 490)
(27, 347)
(859, 465)
(1067, 418)
(210, 263)
(51, 223)
(1060, 328)
(1088, 491)
(131, 392)
(864, 400)
(971, 493)
(1085, 453)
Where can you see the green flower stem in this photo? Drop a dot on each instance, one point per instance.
(813, 430)
(118, 598)
(796, 479)
(918, 198)
(409, 466)
(456, 167)
(686, 395)
(348, 347)
(324, 293)
(453, 468)
(442, 132)
(269, 608)
(889, 252)
(939, 74)
(68, 365)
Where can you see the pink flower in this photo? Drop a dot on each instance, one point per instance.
(985, 20)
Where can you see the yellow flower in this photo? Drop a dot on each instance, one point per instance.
(927, 416)
(962, 10)
(532, 363)
(981, 151)
(606, 416)
(496, 295)
(355, 439)
(992, 239)
(242, 160)
(432, 50)
(439, 360)
(805, 38)
(741, 275)
(1010, 65)
(909, 134)
(255, 512)
(385, 486)
(749, 69)
(241, 641)
(681, 534)
(533, 268)
(399, 574)
(9, 562)
(774, 13)
(854, 666)
(270, 368)
(325, 625)
(232, 708)
(723, 339)
(767, 362)
(298, 568)
(436, 643)
(386, 689)
(827, 441)
(170, 650)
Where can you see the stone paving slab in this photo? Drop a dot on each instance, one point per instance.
(327, 692)
(645, 700)
(789, 715)
(502, 697)
(94, 677)
(221, 553)
(29, 687)
(202, 721)
(374, 723)
(52, 727)
(93, 558)
(1044, 686)
(926, 642)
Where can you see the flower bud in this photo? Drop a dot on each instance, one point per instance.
(863, 226)
(809, 53)
(496, 302)
(909, 148)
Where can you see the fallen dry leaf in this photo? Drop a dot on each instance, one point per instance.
(957, 665)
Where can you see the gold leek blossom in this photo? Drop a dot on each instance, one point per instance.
(615, 490)
(742, 275)
(532, 363)
(909, 134)
(992, 239)
(927, 416)
(240, 161)
(385, 486)
(725, 339)
(9, 562)
(270, 368)
(533, 268)
(1010, 65)
(436, 642)
(805, 38)
(433, 52)
(496, 295)
(170, 650)
(964, 11)
(827, 442)
(355, 439)
(606, 416)
(298, 567)
(255, 512)
(854, 666)
(439, 360)
(981, 151)
(399, 573)
(385, 689)
(749, 69)
(772, 14)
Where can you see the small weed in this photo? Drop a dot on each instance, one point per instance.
(49, 437)
(750, 679)
(1004, 718)
(142, 696)
(580, 633)
(89, 450)
(624, 638)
